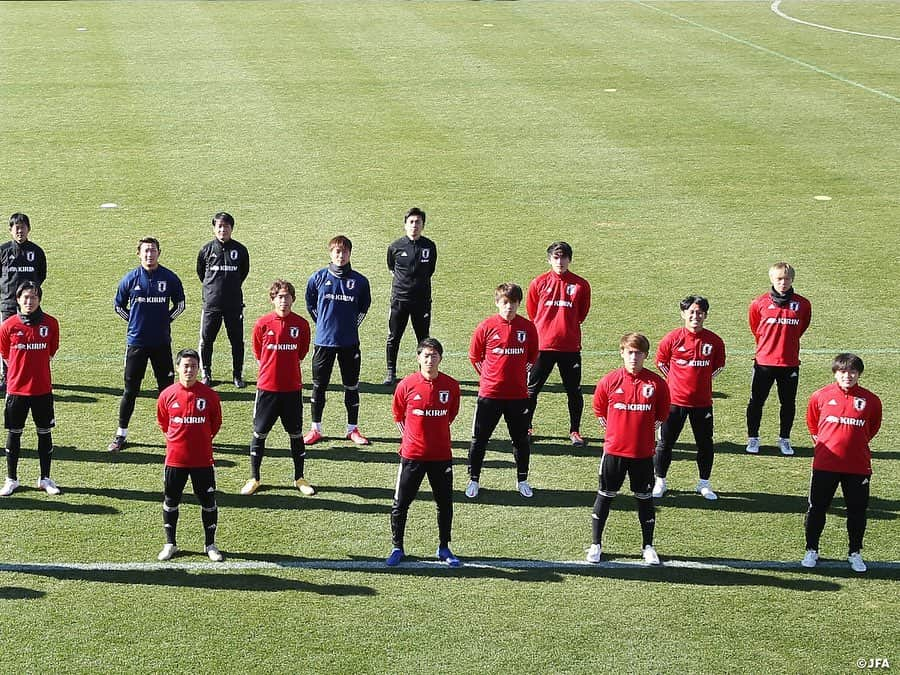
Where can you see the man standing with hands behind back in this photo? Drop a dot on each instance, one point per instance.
(222, 266)
(411, 260)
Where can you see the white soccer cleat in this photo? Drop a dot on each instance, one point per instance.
(753, 445)
(251, 486)
(168, 552)
(784, 444)
(810, 559)
(651, 557)
(856, 562)
(472, 489)
(9, 486)
(706, 491)
(659, 487)
(524, 488)
(214, 554)
(594, 553)
(48, 486)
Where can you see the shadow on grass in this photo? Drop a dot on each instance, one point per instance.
(264, 498)
(553, 446)
(213, 581)
(146, 392)
(20, 502)
(127, 456)
(762, 502)
(17, 593)
(500, 568)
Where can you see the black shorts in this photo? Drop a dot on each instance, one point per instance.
(270, 405)
(160, 359)
(348, 359)
(614, 468)
(15, 414)
(203, 481)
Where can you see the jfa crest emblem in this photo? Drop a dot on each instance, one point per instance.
(444, 396)
(859, 403)
(426, 254)
(794, 305)
(706, 349)
(201, 404)
(351, 283)
(648, 390)
(521, 335)
(29, 256)
(44, 331)
(570, 289)
(161, 286)
(294, 332)
(233, 254)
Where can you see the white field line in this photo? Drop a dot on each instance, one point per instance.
(770, 52)
(78, 358)
(776, 7)
(712, 564)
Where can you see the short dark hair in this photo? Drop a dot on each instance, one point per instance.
(637, 341)
(187, 354)
(341, 241)
(510, 291)
(224, 217)
(281, 285)
(430, 343)
(19, 219)
(29, 286)
(561, 247)
(694, 300)
(414, 211)
(847, 361)
(149, 240)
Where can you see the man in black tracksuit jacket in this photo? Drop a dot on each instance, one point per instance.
(20, 260)
(222, 266)
(411, 260)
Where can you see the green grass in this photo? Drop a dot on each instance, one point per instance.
(306, 120)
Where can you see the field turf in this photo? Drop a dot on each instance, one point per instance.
(678, 146)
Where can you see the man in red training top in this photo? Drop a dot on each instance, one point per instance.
(842, 418)
(504, 347)
(558, 303)
(630, 403)
(689, 358)
(777, 320)
(28, 340)
(280, 343)
(190, 415)
(425, 405)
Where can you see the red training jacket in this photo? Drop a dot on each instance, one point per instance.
(631, 407)
(777, 330)
(280, 344)
(503, 353)
(842, 424)
(424, 410)
(558, 304)
(689, 363)
(189, 418)
(27, 350)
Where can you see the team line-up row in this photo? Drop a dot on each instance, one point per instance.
(513, 356)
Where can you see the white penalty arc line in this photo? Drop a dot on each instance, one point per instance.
(776, 7)
(771, 52)
(713, 565)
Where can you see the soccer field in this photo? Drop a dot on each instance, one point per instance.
(680, 147)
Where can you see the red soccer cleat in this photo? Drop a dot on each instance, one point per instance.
(357, 437)
(312, 437)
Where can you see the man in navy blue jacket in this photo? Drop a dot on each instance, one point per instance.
(337, 298)
(149, 298)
